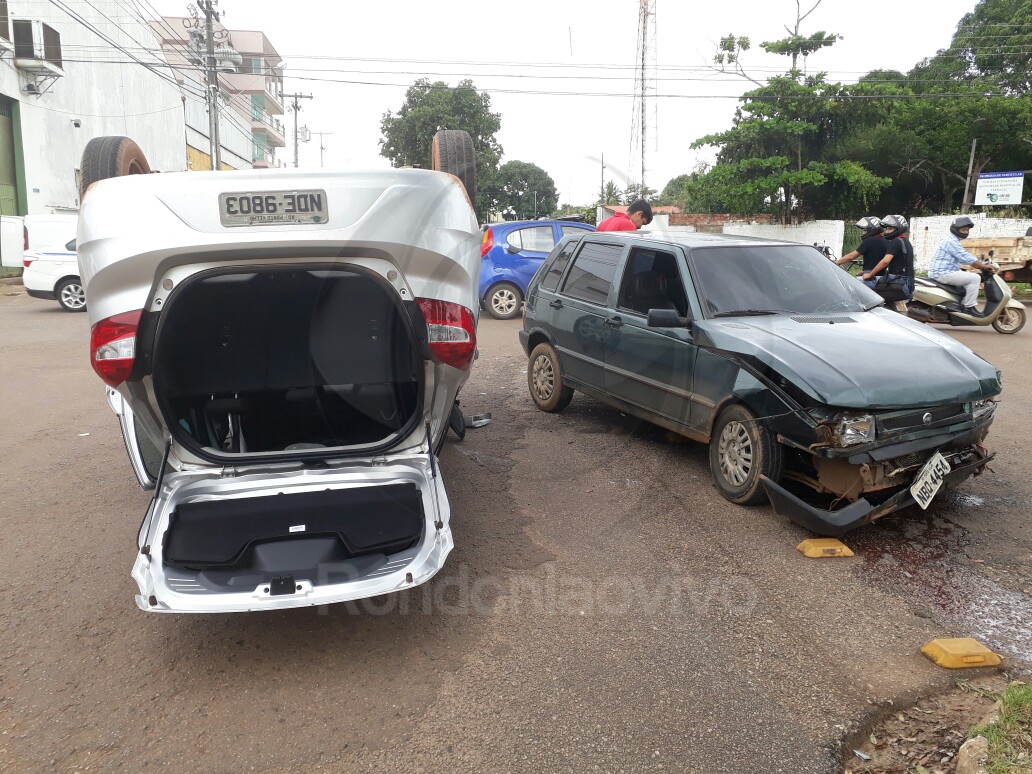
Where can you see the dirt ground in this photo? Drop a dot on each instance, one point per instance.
(927, 733)
(604, 609)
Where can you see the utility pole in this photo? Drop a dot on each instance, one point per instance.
(321, 148)
(208, 7)
(295, 105)
(602, 187)
(967, 180)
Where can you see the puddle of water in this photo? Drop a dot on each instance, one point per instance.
(921, 558)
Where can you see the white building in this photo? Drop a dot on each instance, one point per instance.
(70, 71)
(250, 90)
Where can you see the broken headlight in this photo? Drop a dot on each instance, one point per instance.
(850, 430)
(982, 408)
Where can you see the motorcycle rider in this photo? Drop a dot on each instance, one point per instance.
(948, 258)
(899, 255)
(872, 248)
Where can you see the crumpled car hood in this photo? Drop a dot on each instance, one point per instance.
(876, 359)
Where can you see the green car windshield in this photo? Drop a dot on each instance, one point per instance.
(771, 279)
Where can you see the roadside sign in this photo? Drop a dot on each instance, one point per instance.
(999, 188)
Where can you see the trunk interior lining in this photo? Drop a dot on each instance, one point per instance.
(279, 359)
(241, 541)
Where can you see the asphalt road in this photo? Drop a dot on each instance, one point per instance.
(604, 608)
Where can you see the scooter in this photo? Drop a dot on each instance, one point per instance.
(936, 302)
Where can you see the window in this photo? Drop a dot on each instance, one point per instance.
(537, 238)
(573, 230)
(555, 269)
(52, 45)
(652, 281)
(592, 273)
(23, 47)
(5, 26)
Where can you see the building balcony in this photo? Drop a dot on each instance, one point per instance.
(248, 83)
(265, 160)
(272, 128)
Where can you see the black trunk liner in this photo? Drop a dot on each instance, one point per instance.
(227, 533)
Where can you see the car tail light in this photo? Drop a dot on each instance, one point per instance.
(1008, 276)
(113, 347)
(453, 338)
(25, 237)
(26, 261)
(486, 243)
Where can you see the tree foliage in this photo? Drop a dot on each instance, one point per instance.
(524, 191)
(407, 135)
(637, 191)
(611, 194)
(800, 146)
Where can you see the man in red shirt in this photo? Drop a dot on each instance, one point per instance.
(638, 214)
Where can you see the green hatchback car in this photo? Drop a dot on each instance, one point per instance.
(808, 392)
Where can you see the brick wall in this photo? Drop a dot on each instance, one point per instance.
(711, 221)
(927, 233)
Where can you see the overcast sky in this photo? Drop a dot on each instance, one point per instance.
(502, 46)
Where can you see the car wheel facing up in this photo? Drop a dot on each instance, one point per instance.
(503, 301)
(741, 450)
(545, 379)
(70, 295)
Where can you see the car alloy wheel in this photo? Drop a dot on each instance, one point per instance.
(503, 302)
(742, 453)
(71, 296)
(736, 453)
(543, 378)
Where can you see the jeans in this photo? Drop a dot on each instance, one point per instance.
(968, 280)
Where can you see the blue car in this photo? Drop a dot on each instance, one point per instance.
(511, 252)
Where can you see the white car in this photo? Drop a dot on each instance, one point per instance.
(52, 273)
(284, 350)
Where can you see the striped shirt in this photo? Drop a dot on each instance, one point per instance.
(948, 257)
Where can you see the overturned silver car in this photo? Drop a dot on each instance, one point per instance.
(284, 350)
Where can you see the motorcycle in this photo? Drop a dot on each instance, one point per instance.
(936, 302)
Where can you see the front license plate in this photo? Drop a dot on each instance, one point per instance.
(929, 479)
(273, 208)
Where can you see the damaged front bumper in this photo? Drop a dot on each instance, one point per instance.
(863, 511)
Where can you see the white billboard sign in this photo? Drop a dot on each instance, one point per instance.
(999, 188)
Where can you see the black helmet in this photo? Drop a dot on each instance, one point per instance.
(870, 225)
(958, 223)
(894, 226)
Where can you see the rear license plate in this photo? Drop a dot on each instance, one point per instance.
(272, 208)
(929, 480)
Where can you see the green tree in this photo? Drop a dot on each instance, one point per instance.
(636, 191)
(991, 47)
(407, 135)
(524, 191)
(779, 155)
(612, 194)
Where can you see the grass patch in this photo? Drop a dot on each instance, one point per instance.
(1010, 737)
(1020, 288)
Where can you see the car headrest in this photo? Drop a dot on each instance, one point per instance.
(649, 284)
